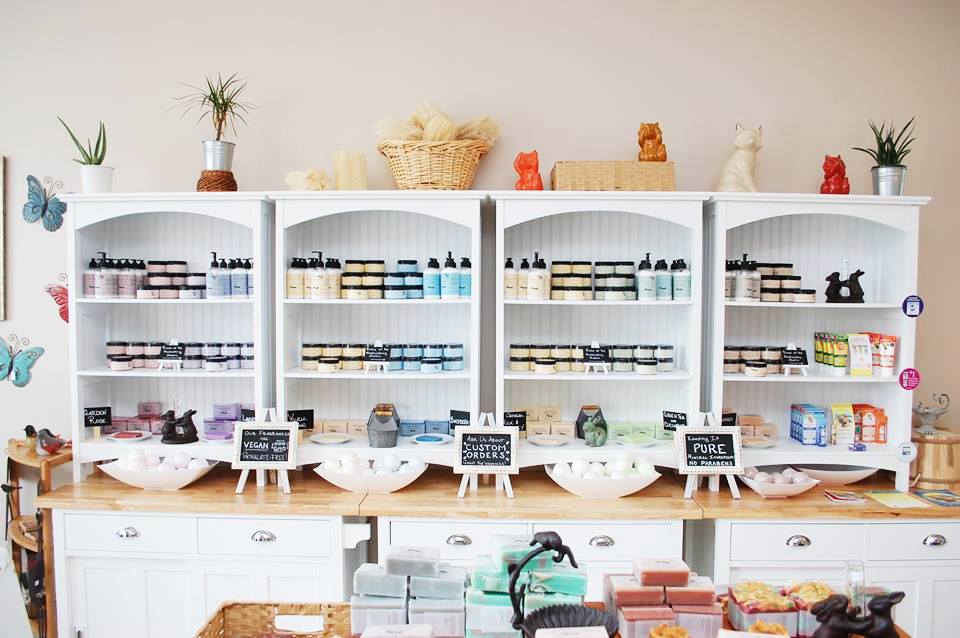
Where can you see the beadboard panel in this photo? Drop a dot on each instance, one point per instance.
(123, 393)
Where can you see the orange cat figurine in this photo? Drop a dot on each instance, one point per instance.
(650, 139)
(527, 166)
(835, 180)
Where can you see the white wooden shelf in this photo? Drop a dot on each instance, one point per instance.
(661, 377)
(229, 301)
(820, 305)
(462, 301)
(812, 377)
(662, 453)
(599, 304)
(169, 373)
(791, 452)
(396, 375)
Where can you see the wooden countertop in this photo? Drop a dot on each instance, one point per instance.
(214, 493)
(434, 495)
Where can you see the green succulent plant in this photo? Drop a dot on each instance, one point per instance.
(91, 154)
(891, 146)
(220, 101)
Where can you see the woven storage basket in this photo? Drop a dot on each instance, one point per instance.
(612, 175)
(248, 620)
(433, 165)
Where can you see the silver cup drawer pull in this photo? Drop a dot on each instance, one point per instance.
(459, 540)
(935, 540)
(799, 540)
(601, 540)
(262, 536)
(128, 532)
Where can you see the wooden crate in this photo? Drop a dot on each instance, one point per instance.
(612, 175)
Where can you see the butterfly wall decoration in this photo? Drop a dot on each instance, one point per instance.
(42, 204)
(16, 360)
(61, 295)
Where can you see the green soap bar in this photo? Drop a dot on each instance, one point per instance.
(562, 579)
(487, 576)
(618, 428)
(510, 550)
(487, 598)
(472, 633)
(663, 434)
(645, 427)
(535, 600)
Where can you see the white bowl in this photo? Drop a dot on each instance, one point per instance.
(371, 483)
(834, 475)
(601, 487)
(778, 490)
(153, 480)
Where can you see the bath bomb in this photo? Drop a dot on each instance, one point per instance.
(181, 460)
(166, 467)
(331, 465)
(801, 477)
(619, 474)
(622, 464)
(416, 463)
(646, 468)
(137, 464)
(788, 472)
(579, 467)
(561, 470)
(590, 474)
(152, 460)
(391, 462)
(406, 468)
(778, 478)
(598, 468)
(750, 472)
(350, 468)
(383, 470)
(762, 477)
(366, 469)
(136, 454)
(349, 457)
(197, 464)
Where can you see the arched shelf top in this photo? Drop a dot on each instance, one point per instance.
(520, 217)
(898, 220)
(680, 208)
(243, 209)
(460, 212)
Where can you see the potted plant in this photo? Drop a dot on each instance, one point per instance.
(889, 170)
(94, 176)
(220, 101)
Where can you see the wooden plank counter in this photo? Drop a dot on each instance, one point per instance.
(214, 493)
(536, 497)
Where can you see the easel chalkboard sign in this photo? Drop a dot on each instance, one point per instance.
(794, 357)
(709, 450)
(265, 445)
(458, 419)
(173, 351)
(486, 449)
(304, 418)
(596, 359)
(246, 414)
(375, 357)
(97, 417)
(515, 420)
(674, 420)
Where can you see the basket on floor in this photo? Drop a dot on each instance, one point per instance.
(433, 165)
(246, 620)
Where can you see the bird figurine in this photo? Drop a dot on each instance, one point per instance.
(48, 443)
(30, 436)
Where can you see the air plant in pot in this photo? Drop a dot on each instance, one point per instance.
(94, 176)
(218, 99)
(889, 171)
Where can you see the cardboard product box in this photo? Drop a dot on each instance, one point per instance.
(767, 431)
(533, 413)
(564, 428)
(748, 430)
(534, 429)
(356, 427)
(751, 419)
(549, 413)
(338, 426)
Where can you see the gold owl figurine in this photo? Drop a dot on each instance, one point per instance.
(650, 139)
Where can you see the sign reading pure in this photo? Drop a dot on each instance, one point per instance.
(709, 450)
(265, 446)
(486, 450)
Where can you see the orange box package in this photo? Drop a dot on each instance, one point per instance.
(870, 422)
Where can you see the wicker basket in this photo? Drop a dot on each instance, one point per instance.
(433, 165)
(612, 175)
(246, 620)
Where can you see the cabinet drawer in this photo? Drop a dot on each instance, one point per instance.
(796, 541)
(457, 540)
(263, 537)
(134, 533)
(936, 540)
(614, 542)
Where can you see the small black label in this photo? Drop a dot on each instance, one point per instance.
(172, 352)
(377, 354)
(459, 418)
(728, 418)
(97, 417)
(516, 419)
(246, 414)
(674, 420)
(594, 355)
(797, 357)
(264, 445)
(303, 418)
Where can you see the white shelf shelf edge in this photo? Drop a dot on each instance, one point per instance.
(661, 377)
(164, 302)
(398, 375)
(377, 302)
(640, 303)
(166, 373)
(820, 305)
(810, 378)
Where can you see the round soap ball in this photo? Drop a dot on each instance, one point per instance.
(590, 474)
(598, 468)
(579, 467)
(619, 474)
(136, 454)
(166, 466)
(800, 478)
(349, 457)
(561, 470)
(417, 464)
(406, 468)
(383, 470)
(350, 467)
(331, 465)
(622, 464)
(391, 463)
(181, 460)
(750, 472)
(763, 477)
(137, 464)
(197, 464)
(645, 468)
(152, 460)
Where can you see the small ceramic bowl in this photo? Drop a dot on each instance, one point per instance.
(153, 480)
(601, 487)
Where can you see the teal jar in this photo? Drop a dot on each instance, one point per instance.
(433, 351)
(395, 292)
(407, 265)
(453, 350)
(452, 364)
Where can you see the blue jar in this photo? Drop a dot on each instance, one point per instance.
(393, 279)
(394, 292)
(411, 364)
(438, 427)
(412, 350)
(453, 350)
(395, 364)
(407, 265)
(453, 364)
(434, 351)
(412, 428)
(414, 292)
(431, 365)
(396, 350)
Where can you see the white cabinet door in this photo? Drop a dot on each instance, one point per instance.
(943, 597)
(222, 581)
(912, 613)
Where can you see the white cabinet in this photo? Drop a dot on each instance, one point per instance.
(161, 575)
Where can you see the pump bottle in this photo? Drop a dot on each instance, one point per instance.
(523, 278)
(431, 279)
(681, 281)
(664, 281)
(449, 278)
(646, 280)
(466, 284)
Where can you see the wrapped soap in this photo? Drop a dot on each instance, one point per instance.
(701, 621)
(510, 550)
(487, 576)
(535, 600)
(561, 579)
(398, 631)
(413, 561)
(371, 611)
(371, 579)
(624, 590)
(449, 583)
(488, 612)
(447, 618)
(472, 633)
(668, 572)
(699, 590)
(573, 632)
(636, 622)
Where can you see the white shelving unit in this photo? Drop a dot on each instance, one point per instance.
(386, 225)
(815, 233)
(600, 227)
(166, 226)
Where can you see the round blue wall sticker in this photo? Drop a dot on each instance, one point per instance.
(912, 306)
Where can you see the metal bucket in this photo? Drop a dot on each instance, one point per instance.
(217, 156)
(888, 180)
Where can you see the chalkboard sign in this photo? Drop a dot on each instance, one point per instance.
(516, 419)
(709, 450)
(303, 417)
(170, 352)
(265, 446)
(377, 354)
(594, 355)
(486, 450)
(728, 419)
(97, 417)
(674, 420)
(459, 419)
(246, 414)
(795, 357)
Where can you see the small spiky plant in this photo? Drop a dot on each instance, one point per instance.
(91, 154)
(892, 147)
(220, 101)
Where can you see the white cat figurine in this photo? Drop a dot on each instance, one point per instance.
(738, 172)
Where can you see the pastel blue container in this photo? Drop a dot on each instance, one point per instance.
(411, 364)
(453, 350)
(395, 364)
(466, 284)
(394, 279)
(450, 284)
(396, 350)
(407, 265)
(431, 365)
(412, 428)
(664, 285)
(431, 286)
(453, 364)
(414, 292)
(438, 427)
(434, 351)
(394, 292)
(413, 350)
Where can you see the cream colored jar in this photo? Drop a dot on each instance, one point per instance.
(545, 366)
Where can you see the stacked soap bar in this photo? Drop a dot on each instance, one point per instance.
(489, 611)
(662, 591)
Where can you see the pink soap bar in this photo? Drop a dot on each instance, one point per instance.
(626, 591)
(698, 591)
(711, 609)
(636, 622)
(660, 612)
(668, 572)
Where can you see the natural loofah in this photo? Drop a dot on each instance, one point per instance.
(393, 128)
(312, 179)
(425, 111)
(483, 128)
(439, 129)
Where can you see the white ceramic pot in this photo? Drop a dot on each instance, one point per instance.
(96, 179)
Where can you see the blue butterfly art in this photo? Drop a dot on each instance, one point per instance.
(17, 365)
(41, 205)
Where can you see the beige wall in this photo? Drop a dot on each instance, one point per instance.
(572, 79)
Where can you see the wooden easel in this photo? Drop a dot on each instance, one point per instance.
(503, 483)
(282, 478)
(713, 479)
